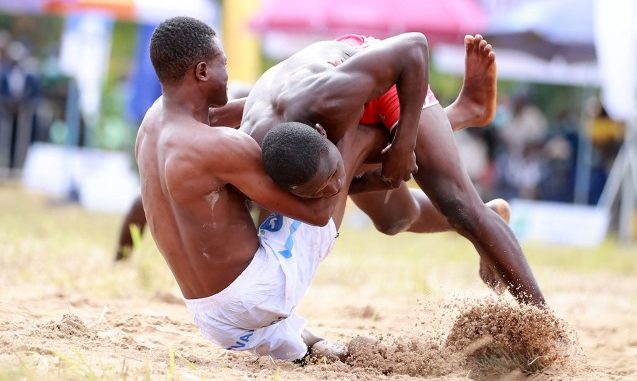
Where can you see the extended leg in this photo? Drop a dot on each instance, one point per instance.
(410, 210)
(442, 176)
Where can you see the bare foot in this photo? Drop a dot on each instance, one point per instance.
(475, 105)
(492, 278)
(501, 207)
(328, 350)
(487, 273)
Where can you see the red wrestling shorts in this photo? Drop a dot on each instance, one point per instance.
(385, 109)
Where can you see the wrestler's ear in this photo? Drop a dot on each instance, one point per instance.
(201, 71)
(320, 129)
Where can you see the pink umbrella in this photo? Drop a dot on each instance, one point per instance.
(439, 20)
(143, 11)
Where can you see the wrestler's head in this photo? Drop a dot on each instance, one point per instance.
(185, 51)
(302, 160)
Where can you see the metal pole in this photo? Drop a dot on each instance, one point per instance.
(584, 155)
(629, 192)
(72, 115)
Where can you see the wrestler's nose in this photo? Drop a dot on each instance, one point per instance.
(334, 187)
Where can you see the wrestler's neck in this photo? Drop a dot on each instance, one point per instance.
(183, 101)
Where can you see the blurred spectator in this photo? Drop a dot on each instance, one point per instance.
(19, 93)
(519, 164)
(474, 154)
(557, 170)
(527, 126)
(606, 138)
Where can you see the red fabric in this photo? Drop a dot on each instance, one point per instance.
(385, 109)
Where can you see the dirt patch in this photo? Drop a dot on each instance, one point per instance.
(488, 338)
(497, 337)
(70, 326)
(401, 355)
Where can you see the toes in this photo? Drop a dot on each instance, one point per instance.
(468, 42)
(491, 56)
(483, 44)
(488, 48)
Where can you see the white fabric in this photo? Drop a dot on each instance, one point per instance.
(257, 311)
(616, 44)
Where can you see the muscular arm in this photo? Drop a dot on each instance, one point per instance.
(401, 60)
(237, 161)
(228, 115)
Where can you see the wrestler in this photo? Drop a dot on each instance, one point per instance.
(328, 85)
(240, 283)
(407, 210)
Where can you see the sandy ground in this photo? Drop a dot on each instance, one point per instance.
(70, 335)
(62, 330)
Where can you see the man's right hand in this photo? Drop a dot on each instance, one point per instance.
(398, 164)
(369, 181)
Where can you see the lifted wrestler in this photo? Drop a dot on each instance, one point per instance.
(329, 85)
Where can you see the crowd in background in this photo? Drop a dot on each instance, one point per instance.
(521, 154)
(33, 96)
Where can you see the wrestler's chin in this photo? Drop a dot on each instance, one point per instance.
(222, 101)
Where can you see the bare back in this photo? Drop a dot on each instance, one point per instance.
(195, 181)
(200, 223)
(329, 83)
(289, 92)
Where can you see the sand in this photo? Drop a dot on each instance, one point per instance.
(411, 308)
(436, 338)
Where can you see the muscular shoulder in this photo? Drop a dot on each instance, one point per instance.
(224, 144)
(204, 161)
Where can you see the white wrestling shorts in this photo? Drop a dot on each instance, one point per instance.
(256, 312)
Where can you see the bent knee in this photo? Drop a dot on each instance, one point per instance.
(394, 226)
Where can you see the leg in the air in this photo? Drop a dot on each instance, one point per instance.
(476, 103)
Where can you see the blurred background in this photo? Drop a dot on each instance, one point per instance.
(76, 80)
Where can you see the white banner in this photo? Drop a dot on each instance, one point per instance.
(84, 55)
(558, 223)
(616, 45)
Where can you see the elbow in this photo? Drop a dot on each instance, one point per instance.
(212, 117)
(321, 218)
(419, 40)
(418, 47)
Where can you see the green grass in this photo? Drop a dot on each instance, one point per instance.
(417, 262)
(61, 245)
(45, 242)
